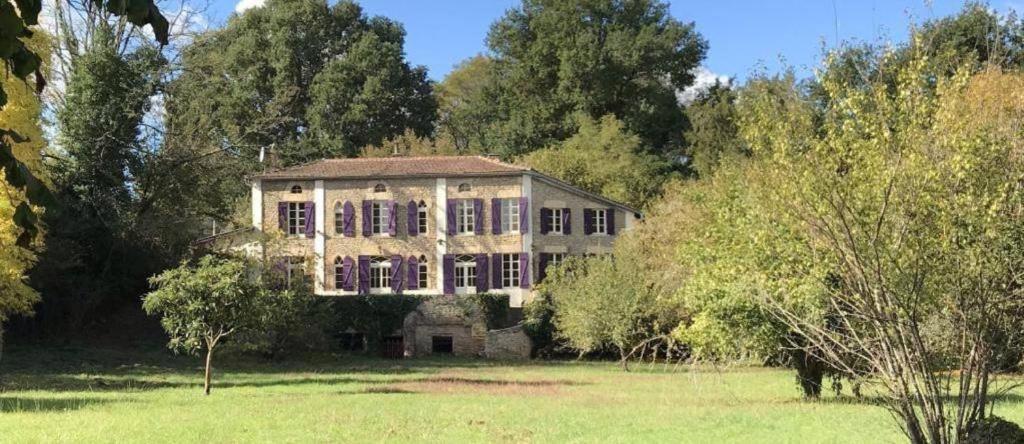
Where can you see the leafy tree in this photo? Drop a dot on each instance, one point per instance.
(625, 172)
(464, 113)
(304, 78)
(553, 59)
(203, 304)
(713, 132)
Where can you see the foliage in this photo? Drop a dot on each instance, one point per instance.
(713, 132)
(553, 59)
(539, 325)
(495, 308)
(202, 304)
(625, 173)
(377, 316)
(299, 77)
(464, 115)
(995, 429)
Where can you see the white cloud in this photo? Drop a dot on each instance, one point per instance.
(704, 80)
(248, 4)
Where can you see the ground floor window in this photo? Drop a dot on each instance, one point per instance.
(422, 273)
(465, 272)
(510, 271)
(380, 273)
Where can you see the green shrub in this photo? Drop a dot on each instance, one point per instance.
(995, 430)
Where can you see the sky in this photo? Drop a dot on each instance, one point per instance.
(744, 35)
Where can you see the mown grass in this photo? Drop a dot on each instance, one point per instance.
(95, 395)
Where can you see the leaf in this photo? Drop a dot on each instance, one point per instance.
(30, 11)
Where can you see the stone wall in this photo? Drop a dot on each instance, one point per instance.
(508, 344)
(445, 316)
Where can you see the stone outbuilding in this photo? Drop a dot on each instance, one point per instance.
(445, 325)
(508, 344)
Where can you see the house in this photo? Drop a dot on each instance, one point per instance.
(429, 225)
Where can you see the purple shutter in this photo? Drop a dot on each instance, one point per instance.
(364, 274)
(392, 218)
(545, 220)
(449, 273)
(524, 215)
(412, 220)
(282, 216)
(348, 219)
(566, 221)
(451, 217)
(496, 271)
(610, 223)
(524, 270)
(478, 216)
(542, 266)
(495, 216)
(367, 218)
(413, 273)
(310, 210)
(588, 221)
(396, 274)
(481, 273)
(346, 274)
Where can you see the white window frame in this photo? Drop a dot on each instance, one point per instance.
(556, 259)
(339, 218)
(465, 217)
(509, 215)
(339, 271)
(379, 214)
(510, 272)
(380, 274)
(555, 223)
(422, 218)
(423, 274)
(293, 265)
(601, 221)
(296, 219)
(465, 274)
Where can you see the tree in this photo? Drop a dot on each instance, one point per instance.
(464, 112)
(713, 132)
(626, 172)
(203, 304)
(553, 59)
(301, 78)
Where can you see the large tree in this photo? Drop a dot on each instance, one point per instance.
(552, 59)
(306, 78)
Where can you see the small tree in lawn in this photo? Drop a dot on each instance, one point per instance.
(205, 303)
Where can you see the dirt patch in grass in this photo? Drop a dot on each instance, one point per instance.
(456, 384)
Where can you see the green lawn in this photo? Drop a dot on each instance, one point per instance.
(76, 395)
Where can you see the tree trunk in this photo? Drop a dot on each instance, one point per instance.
(810, 372)
(209, 370)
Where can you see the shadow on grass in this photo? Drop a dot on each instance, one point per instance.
(16, 404)
(875, 400)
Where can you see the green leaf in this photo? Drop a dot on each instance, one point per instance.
(30, 11)
(24, 62)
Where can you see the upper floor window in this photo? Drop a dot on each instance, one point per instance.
(380, 273)
(464, 216)
(379, 188)
(421, 217)
(555, 220)
(509, 215)
(339, 218)
(296, 218)
(465, 187)
(601, 221)
(465, 272)
(379, 214)
(510, 271)
(296, 189)
(422, 273)
(294, 270)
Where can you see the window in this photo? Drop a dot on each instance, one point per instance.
(294, 270)
(422, 272)
(601, 221)
(379, 188)
(555, 221)
(339, 270)
(464, 187)
(509, 215)
(339, 218)
(421, 217)
(510, 270)
(555, 259)
(464, 217)
(465, 273)
(380, 273)
(379, 217)
(441, 344)
(296, 189)
(296, 218)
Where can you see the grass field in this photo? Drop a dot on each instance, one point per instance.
(78, 395)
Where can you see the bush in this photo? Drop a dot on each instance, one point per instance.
(995, 430)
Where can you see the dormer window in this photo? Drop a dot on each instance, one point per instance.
(296, 189)
(379, 188)
(463, 187)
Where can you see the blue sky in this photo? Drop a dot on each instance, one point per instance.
(743, 34)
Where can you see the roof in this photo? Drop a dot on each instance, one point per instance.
(421, 166)
(375, 167)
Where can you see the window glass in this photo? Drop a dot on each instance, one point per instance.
(510, 270)
(297, 218)
(380, 273)
(464, 216)
(423, 274)
(601, 221)
(465, 273)
(379, 214)
(556, 221)
(422, 217)
(509, 215)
